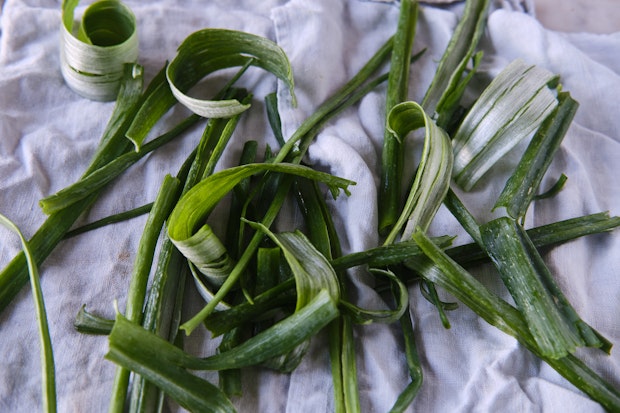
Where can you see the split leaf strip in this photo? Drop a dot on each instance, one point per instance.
(112, 219)
(519, 264)
(186, 228)
(164, 364)
(406, 397)
(311, 269)
(200, 54)
(446, 273)
(392, 156)
(48, 376)
(524, 183)
(88, 323)
(448, 84)
(92, 56)
(432, 179)
(511, 108)
(136, 294)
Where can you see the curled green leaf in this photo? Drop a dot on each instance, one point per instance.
(187, 228)
(92, 54)
(209, 50)
(312, 271)
(432, 179)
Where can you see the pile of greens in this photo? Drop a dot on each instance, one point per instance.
(267, 294)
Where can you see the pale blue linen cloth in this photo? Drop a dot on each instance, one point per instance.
(48, 133)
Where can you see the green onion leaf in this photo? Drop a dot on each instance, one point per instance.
(142, 352)
(510, 250)
(208, 50)
(89, 323)
(278, 339)
(508, 111)
(448, 84)
(48, 377)
(92, 59)
(522, 186)
(186, 229)
(392, 156)
(443, 271)
(401, 295)
(432, 179)
(311, 270)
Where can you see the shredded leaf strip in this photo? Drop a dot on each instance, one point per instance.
(508, 111)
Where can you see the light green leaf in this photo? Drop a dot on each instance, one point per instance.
(186, 226)
(208, 50)
(509, 110)
(312, 271)
(48, 377)
(432, 179)
(133, 341)
(93, 54)
(509, 248)
(522, 186)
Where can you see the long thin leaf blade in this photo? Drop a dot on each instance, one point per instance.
(48, 376)
(446, 273)
(523, 184)
(505, 244)
(460, 50)
(278, 339)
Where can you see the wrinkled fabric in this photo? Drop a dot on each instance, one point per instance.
(48, 134)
